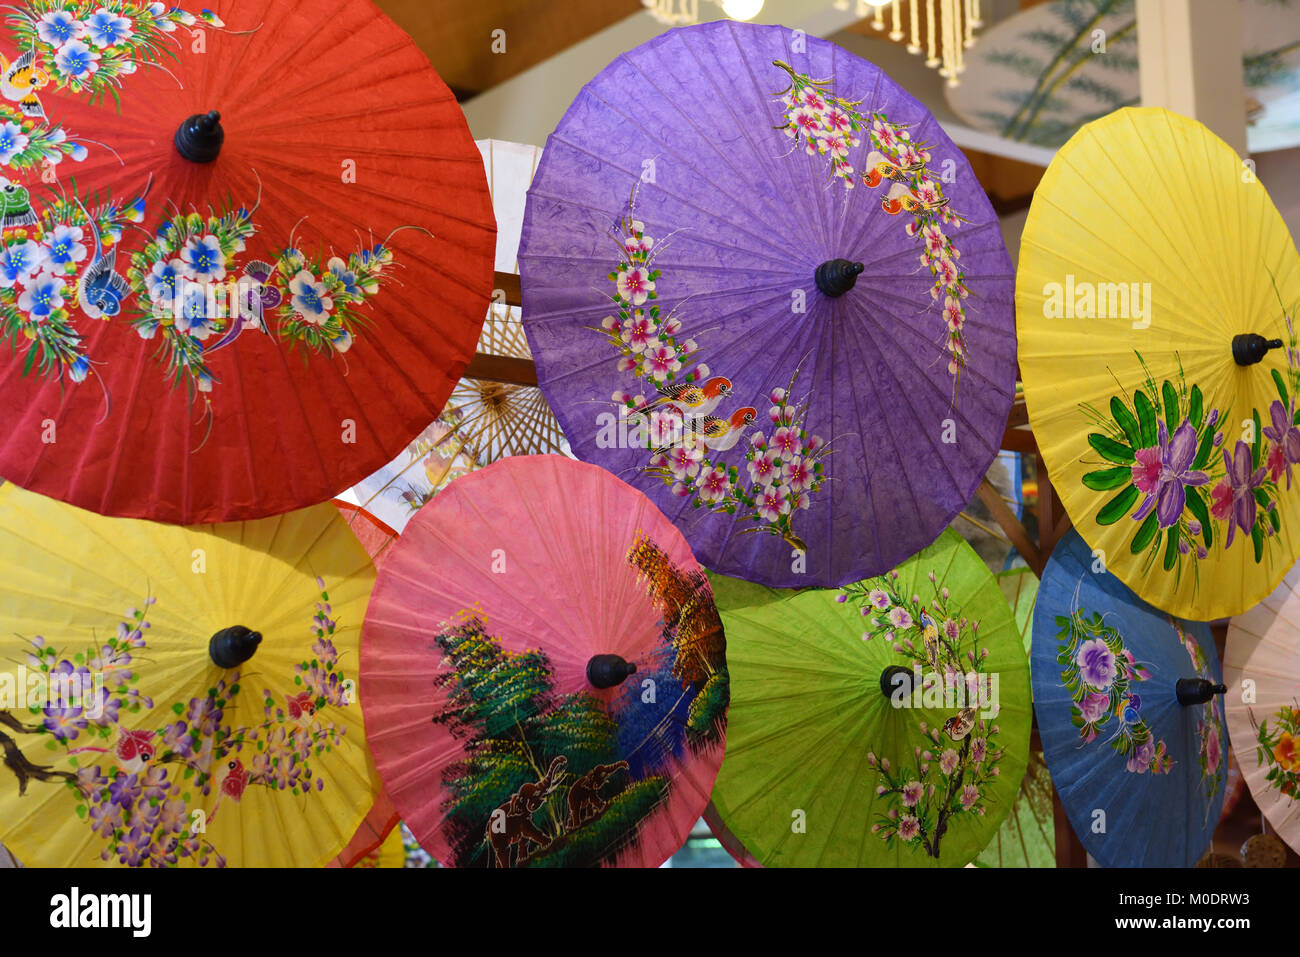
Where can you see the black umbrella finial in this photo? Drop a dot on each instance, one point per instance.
(835, 277)
(231, 647)
(896, 678)
(606, 671)
(1197, 690)
(200, 136)
(1250, 348)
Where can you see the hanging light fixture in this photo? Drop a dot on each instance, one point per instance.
(949, 29)
(679, 13)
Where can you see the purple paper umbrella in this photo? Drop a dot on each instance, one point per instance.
(763, 286)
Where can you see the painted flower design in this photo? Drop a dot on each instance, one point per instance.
(1168, 494)
(20, 261)
(1096, 663)
(57, 27)
(1238, 500)
(76, 60)
(65, 245)
(309, 299)
(635, 284)
(107, 28)
(1285, 437)
(12, 141)
(43, 296)
(202, 259)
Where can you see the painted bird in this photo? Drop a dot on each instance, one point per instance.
(20, 81)
(879, 168)
(960, 724)
(231, 780)
(301, 707)
(722, 434)
(930, 636)
(1130, 709)
(100, 290)
(690, 398)
(132, 750)
(15, 206)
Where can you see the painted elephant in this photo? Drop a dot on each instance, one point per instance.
(512, 822)
(585, 802)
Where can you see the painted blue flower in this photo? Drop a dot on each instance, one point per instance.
(78, 369)
(161, 281)
(202, 259)
(65, 245)
(194, 318)
(58, 27)
(107, 28)
(345, 276)
(76, 60)
(43, 296)
(309, 299)
(12, 142)
(20, 261)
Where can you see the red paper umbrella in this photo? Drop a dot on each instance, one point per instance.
(245, 260)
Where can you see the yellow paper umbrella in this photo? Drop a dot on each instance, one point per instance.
(391, 853)
(1155, 301)
(179, 696)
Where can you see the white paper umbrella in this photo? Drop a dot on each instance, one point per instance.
(1261, 666)
(484, 420)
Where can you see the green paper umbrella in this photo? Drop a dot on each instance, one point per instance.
(823, 768)
(1027, 838)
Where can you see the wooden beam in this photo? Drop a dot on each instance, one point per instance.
(507, 369)
(1006, 519)
(507, 284)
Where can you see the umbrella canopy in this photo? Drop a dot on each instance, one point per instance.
(1130, 714)
(308, 276)
(179, 696)
(544, 672)
(1261, 666)
(886, 724)
(764, 286)
(1027, 837)
(1160, 363)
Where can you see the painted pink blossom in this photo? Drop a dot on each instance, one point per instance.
(684, 462)
(909, 828)
(661, 360)
(1094, 707)
(785, 441)
(635, 284)
(638, 331)
(797, 474)
(772, 505)
(948, 761)
(763, 469)
(912, 793)
(713, 485)
(969, 795)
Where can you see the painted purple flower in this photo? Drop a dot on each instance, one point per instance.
(1141, 759)
(134, 847)
(948, 761)
(154, 783)
(909, 828)
(969, 795)
(1242, 482)
(979, 749)
(105, 819)
(1284, 435)
(1096, 663)
(899, 618)
(205, 715)
(1169, 495)
(125, 790)
(173, 817)
(1094, 707)
(912, 792)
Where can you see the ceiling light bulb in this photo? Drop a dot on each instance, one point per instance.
(741, 9)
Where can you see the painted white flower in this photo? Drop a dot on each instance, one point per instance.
(12, 142)
(635, 285)
(308, 298)
(76, 60)
(57, 27)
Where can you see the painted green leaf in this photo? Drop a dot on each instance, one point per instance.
(1196, 505)
(1171, 549)
(1169, 398)
(1146, 418)
(1117, 507)
(1203, 453)
(1119, 411)
(1195, 407)
(1281, 386)
(1146, 532)
(1111, 450)
(1104, 480)
(1259, 437)
(1257, 537)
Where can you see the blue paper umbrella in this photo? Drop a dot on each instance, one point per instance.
(1130, 712)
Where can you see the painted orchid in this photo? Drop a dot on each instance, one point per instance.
(1165, 481)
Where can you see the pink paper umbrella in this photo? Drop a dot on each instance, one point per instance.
(543, 672)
